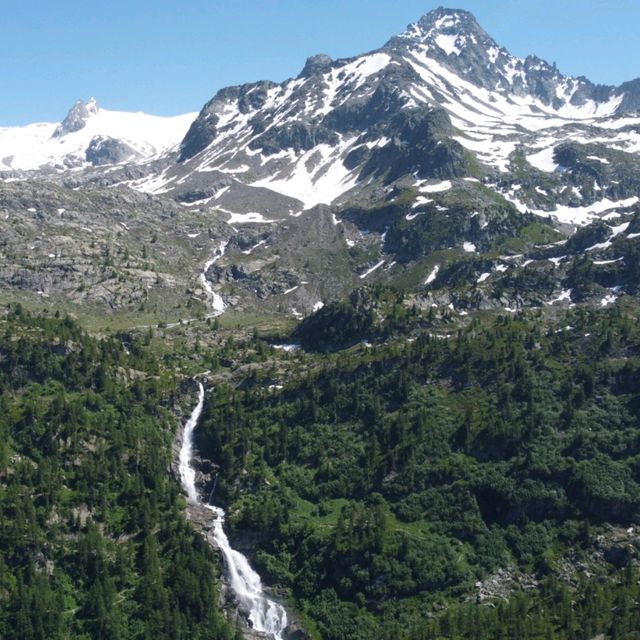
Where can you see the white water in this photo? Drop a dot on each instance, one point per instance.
(264, 614)
(217, 303)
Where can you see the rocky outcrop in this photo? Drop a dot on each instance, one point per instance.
(77, 117)
(103, 150)
(320, 63)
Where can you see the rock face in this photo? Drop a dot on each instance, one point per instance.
(320, 63)
(77, 117)
(630, 92)
(103, 150)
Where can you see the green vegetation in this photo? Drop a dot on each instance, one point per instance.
(452, 479)
(386, 485)
(93, 540)
(367, 314)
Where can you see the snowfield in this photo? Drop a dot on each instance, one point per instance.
(34, 146)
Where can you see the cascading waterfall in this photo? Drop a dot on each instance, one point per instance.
(218, 305)
(265, 615)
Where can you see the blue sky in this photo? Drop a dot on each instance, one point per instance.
(169, 57)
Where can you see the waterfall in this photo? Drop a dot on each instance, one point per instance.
(187, 472)
(218, 305)
(265, 615)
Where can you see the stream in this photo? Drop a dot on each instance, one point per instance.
(264, 614)
(217, 303)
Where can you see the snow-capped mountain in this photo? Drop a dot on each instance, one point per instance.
(441, 100)
(90, 135)
(439, 163)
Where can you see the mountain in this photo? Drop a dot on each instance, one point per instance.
(89, 135)
(440, 142)
(439, 163)
(427, 104)
(407, 284)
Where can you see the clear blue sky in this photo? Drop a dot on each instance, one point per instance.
(171, 56)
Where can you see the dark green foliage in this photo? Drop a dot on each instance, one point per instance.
(92, 540)
(385, 482)
(368, 314)
(589, 279)
(444, 227)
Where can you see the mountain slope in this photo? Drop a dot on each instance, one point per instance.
(93, 543)
(443, 447)
(90, 135)
(325, 133)
(492, 468)
(437, 147)
(446, 166)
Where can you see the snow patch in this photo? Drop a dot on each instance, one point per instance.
(255, 246)
(603, 160)
(448, 44)
(445, 185)
(585, 214)
(432, 276)
(287, 347)
(420, 201)
(246, 218)
(323, 183)
(543, 160)
(564, 296)
(370, 271)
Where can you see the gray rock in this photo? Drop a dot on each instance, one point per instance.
(319, 63)
(104, 150)
(77, 117)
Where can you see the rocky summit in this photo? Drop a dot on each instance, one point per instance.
(439, 162)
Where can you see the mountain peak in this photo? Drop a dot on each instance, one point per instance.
(316, 64)
(77, 117)
(447, 31)
(445, 20)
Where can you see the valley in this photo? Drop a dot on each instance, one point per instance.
(382, 315)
